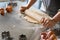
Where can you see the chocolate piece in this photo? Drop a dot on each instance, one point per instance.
(22, 37)
(5, 34)
(8, 33)
(13, 4)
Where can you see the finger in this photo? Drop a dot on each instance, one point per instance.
(42, 20)
(52, 37)
(45, 22)
(42, 39)
(22, 10)
(49, 25)
(50, 33)
(43, 35)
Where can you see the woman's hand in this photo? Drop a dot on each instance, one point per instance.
(30, 3)
(23, 8)
(48, 22)
(48, 36)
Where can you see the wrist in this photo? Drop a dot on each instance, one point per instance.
(27, 7)
(55, 20)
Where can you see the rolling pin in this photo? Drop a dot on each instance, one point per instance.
(36, 15)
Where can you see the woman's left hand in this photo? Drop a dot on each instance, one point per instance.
(48, 36)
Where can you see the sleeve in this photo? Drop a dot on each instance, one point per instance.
(52, 9)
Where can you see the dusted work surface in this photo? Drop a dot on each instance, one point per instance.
(17, 25)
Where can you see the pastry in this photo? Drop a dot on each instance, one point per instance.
(2, 11)
(9, 9)
(31, 20)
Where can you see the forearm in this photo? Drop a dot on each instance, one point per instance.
(30, 3)
(57, 17)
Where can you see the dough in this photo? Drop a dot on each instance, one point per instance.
(29, 19)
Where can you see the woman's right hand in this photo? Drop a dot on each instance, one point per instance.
(23, 8)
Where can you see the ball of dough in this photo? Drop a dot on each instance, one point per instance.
(2, 11)
(9, 9)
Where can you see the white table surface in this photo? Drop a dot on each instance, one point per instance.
(16, 24)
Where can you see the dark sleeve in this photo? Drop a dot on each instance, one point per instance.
(53, 7)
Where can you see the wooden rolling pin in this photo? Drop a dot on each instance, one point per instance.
(36, 15)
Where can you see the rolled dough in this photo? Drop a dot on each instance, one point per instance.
(35, 16)
(31, 20)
